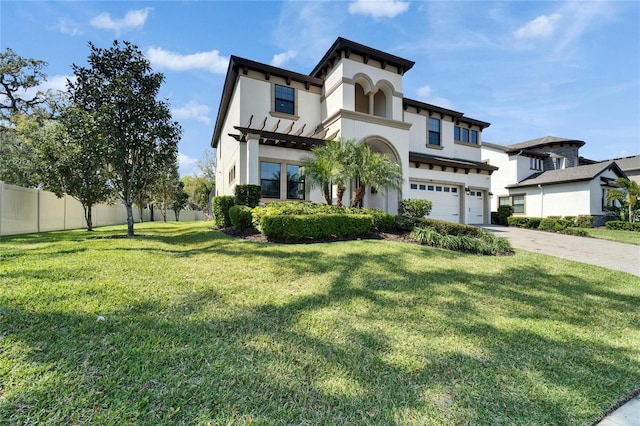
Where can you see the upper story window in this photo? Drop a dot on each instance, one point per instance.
(535, 163)
(434, 131)
(285, 98)
(559, 163)
(462, 134)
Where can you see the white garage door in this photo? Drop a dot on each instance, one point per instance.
(475, 208)
(444, 198)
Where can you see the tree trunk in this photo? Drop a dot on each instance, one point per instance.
(358, 195)
(177, 213)
(327, 193)
(129, 218)
(150, 212)
(87, 217)
(339, 195)
(141, 209)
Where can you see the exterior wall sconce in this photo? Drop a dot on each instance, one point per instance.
(467, 190)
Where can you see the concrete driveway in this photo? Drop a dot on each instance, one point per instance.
(609, 254)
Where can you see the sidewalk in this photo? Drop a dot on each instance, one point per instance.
(627, 415)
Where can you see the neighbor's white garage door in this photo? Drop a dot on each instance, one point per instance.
(475, 208)
(445, 200)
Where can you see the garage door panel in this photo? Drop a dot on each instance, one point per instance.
(445, 200)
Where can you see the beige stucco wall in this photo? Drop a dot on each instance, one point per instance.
(25, 210)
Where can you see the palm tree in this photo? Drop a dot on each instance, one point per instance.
(628, 195)
(371, 169)
(327, 168)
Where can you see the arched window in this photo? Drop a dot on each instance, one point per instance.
(380, 104)
(362, 100)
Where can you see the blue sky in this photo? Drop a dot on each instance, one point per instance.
(567, 69)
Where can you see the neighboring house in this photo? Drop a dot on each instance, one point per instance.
(630, 166)
(270, 118)
(546, 177)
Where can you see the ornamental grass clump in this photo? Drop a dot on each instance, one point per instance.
(484, 243)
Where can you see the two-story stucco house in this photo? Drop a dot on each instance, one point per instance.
(546, 177)
(270, 118)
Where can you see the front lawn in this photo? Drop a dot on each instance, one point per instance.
(184, 325)
(628, 237)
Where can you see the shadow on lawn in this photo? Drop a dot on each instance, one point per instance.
(386, 343)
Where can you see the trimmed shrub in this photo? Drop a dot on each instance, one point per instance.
(524, 222)
(248, 195)
(579, 232)
(553, 224)
(312, 227)
(584, 221)
(414, 208)
(382, 221)
(450, 228)
(502, 215)
(620, 225)
(220, 206)
(240, 216)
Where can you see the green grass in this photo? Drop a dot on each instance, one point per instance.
(201, 328)
(628, 237)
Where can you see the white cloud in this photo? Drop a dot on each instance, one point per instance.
(66, 26)
(192, 111)
(282, 58)
(378, 8)
(542, 26)
(186, 165)
(133, 20)
(54, 83)
(426, 94)
(210, 61)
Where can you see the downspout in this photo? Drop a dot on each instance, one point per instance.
(541, 200)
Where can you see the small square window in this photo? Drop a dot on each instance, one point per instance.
(447, 189)
(423, 187)
(454, 190)
(414, 186)
(438, 189)
(430, 188)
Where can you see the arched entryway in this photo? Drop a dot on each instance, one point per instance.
(389, 199)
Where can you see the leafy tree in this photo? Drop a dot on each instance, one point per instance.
(71, 162)
(207, 168)
(628, 195)
(163, 189)
(135, 130)
(180, 200)
(18, 75)
(18, 151)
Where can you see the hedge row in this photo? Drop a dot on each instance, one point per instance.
(622, 225)
(295, 227)
(551, 223)
(382, 221)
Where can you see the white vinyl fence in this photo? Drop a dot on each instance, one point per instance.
(26, 210)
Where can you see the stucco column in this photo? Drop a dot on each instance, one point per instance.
(253, 160)
(371, 100)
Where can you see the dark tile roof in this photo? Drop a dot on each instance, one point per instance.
(570, 174)
(628, 163)
(455, 115)
(419, 157)
(545, 141)
(348, 46)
